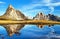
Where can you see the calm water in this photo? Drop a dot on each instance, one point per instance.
(33, 32)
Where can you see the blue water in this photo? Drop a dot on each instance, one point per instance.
(33, 32)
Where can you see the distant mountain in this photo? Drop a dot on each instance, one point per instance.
(41, 16)
(53, 17)
(12, 14)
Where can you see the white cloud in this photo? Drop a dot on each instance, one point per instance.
(56, 4)
(52, 9)
(47, 1)
(2, 2)
(34, 4)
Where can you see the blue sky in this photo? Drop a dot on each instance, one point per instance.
(32, 7)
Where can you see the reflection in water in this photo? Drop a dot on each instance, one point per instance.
(13, 28)
(17, 33)
(52, 31)
(3, 38)
(32, 32)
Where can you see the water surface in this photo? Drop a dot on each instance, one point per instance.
(33, 32)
